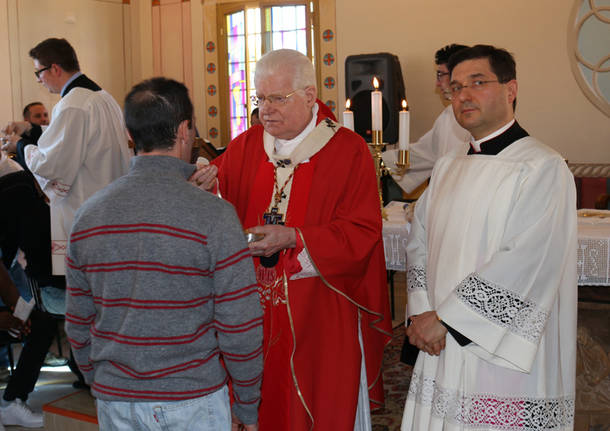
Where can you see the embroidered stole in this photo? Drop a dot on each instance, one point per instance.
(294, 206)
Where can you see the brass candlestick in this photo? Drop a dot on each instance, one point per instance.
(402, 164)
(376, 147)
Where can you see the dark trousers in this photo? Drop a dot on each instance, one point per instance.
(37, 344)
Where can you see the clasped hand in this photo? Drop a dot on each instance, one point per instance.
(427, 333)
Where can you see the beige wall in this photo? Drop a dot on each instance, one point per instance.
(94, 27)
(551, 106)
(116, 47)
(114, 42)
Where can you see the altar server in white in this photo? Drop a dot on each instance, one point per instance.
(446, 134)
(85, 146)
(491, 276)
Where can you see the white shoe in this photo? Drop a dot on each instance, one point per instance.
(19, 413)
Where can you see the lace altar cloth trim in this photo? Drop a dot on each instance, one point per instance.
(395, 245)
(503, 307)
(593, 253)
(416, 278)
(490, 411)
(593, 262)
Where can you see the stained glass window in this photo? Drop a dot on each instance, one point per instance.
(236, 49)
(250, 33)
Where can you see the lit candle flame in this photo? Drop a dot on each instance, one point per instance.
(375, 83)
(404, 105)
(348, 103)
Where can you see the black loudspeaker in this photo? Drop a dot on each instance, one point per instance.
(359, 73)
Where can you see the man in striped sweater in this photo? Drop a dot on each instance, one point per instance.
(161, 286)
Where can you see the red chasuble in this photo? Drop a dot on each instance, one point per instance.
(312, 355)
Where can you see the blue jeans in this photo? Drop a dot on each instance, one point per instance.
(209, 413)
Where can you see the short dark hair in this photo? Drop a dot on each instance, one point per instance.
(443, 54)
(501, 61)
(26, 109)
(153, 111)
(254, 112)
(56, 51)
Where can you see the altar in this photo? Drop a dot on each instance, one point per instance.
(593, 247)
(593, 243)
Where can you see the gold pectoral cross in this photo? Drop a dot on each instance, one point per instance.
(274, 216)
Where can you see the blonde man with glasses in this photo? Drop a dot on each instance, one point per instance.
(491, 277)
(305, 187)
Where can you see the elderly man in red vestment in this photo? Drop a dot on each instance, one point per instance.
(307, 186)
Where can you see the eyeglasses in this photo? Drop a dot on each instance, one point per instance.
(39, 71)
(273, 99)
(440, 74)
(476, 85)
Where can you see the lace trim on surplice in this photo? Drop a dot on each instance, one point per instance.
(416, 278)
(490, 411)
(503, 307)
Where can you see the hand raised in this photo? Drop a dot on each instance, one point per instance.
(204, 177)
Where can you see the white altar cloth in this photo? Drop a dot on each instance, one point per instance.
(593, 247)
(593, 243)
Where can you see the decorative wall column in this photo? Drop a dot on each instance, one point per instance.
(172, 40)
(327, 37)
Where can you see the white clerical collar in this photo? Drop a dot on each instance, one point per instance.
(477, 144)
(283, 147)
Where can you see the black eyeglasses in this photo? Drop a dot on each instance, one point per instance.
(39, 71)
(440, 74)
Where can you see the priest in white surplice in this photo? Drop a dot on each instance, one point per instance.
(491, 277)
(83, 149)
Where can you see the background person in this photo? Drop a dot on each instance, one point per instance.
(180, 291)
(446, 134)
(491, 278)
(84, 147)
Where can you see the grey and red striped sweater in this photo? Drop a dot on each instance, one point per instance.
(161, 286)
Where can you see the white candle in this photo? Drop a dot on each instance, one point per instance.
(348, 116)
(376, 110)
(404, 122)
